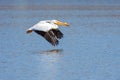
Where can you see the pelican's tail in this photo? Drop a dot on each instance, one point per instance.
(28, 31)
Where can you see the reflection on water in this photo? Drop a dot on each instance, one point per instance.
(53, 51)
(49, 64)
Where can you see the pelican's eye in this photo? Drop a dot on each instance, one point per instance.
(48, 22)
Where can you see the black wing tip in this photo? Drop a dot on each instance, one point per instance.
(61, 36)
(55, 44)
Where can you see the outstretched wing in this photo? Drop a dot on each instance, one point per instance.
(57, 33)
(49, 36)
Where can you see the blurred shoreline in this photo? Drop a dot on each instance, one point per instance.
(59, 7)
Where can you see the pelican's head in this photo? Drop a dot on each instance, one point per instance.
(59, 23)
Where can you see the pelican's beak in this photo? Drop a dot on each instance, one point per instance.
(59, 23)
(28, 31)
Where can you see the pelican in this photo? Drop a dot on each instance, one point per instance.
(49, 30)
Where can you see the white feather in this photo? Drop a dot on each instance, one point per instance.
(44, 26)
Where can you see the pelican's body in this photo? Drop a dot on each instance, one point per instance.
(49, 30)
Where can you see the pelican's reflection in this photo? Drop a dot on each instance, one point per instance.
(50, 63)
(53, 51)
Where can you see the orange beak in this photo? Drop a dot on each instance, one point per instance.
(59, 23)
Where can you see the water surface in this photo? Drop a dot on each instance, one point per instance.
(90, 49)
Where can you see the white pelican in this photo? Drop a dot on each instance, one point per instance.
(49, 30)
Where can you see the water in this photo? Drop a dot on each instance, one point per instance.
(90, 49)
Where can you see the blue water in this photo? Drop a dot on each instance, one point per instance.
(59, 2)
(90, 49)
